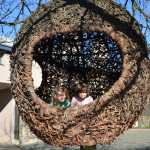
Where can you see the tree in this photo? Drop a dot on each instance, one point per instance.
(13, 13)
(141, 12)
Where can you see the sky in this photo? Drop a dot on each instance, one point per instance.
(139, 18)
(33, 7)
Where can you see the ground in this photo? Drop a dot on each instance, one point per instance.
(133, 139)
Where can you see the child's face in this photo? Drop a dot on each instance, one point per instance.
(61, 96)
(82, 95)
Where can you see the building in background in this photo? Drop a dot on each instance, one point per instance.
(12, 128)
(7, 104)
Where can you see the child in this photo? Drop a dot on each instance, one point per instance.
(60, 97)
(81, 95)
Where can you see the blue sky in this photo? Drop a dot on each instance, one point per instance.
(129, 8)
(138, 17)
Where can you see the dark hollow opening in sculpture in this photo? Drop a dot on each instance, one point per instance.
(67, 59)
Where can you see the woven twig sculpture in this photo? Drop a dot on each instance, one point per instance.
(94, 41)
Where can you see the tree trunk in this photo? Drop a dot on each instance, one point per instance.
(88, 147)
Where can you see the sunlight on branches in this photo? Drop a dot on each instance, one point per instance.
(140, 10)
(13, 13)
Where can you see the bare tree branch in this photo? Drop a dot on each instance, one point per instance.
(40, 2)
(147, 17)
(126, 3)
(26, 6)
(133, 7)
(10, 11)
(11, 23)
(13, 13)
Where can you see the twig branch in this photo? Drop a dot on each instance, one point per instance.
(126, 3)
(147, 17)
(40, 2)
(10, 12)
(12, 23)
(26, 6)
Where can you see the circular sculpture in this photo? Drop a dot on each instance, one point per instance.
(94, 41)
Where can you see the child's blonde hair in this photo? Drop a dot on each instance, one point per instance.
(82, 87)
(55, 93)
